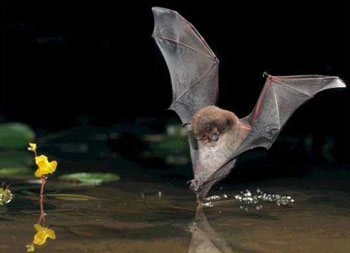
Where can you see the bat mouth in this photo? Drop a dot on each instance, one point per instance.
(209, 138)
(214, 137)
(247, 127)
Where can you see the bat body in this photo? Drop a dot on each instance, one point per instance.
(216, 136)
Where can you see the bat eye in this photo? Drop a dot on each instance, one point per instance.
(214, 137)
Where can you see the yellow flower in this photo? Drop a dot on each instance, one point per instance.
(44, 166)
(30, 247)
(32, 147)
(42, 233)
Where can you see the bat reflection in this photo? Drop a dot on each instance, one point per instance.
(204, 237)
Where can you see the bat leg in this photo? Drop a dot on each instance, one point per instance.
(193, 185)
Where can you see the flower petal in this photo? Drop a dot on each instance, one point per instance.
(51, 234)
(41, 161)
(53, 166)
(30, 247)
(37, 227)
(40, 238)
(38, 173)
(32, 147)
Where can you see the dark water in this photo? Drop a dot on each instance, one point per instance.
(148, 210)
(136, 216)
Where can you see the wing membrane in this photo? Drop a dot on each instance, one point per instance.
(192, 65)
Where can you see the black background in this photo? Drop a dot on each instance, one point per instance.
(67, 63)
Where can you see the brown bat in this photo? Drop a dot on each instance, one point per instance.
(217, 136)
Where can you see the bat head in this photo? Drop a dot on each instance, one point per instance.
(210, 122)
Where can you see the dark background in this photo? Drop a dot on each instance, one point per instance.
(70, 63)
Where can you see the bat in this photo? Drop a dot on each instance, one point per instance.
(216, 136)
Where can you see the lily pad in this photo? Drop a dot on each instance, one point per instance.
(90, 178)
(15, 158)
(15, 135)
(72, 197)
(15, 172)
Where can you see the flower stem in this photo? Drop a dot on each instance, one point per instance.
(42, 213)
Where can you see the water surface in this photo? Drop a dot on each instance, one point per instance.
(152, 210)
(141, 216)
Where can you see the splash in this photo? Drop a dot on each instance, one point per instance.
(252, 200)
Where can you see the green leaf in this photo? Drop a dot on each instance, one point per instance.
(15, 135)
(90, 178)
(16, 172)
(14, 158)
(72, 197)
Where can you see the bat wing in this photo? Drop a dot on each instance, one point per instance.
(280, 98)
(192, 64)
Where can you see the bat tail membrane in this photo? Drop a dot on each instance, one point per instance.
(192, 65)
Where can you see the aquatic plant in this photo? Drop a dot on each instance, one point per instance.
(44, 168)
(5, 196)
(84, 178)
(15, 135)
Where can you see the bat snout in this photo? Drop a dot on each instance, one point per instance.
(214, 137)
(213, 134)
(210, 136)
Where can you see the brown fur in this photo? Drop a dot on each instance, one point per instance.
(211, 118)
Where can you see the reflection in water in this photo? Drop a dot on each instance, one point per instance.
(204, 237)
(40, 237)
(42, 232)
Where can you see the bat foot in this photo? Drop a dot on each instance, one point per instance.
(194, 185)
